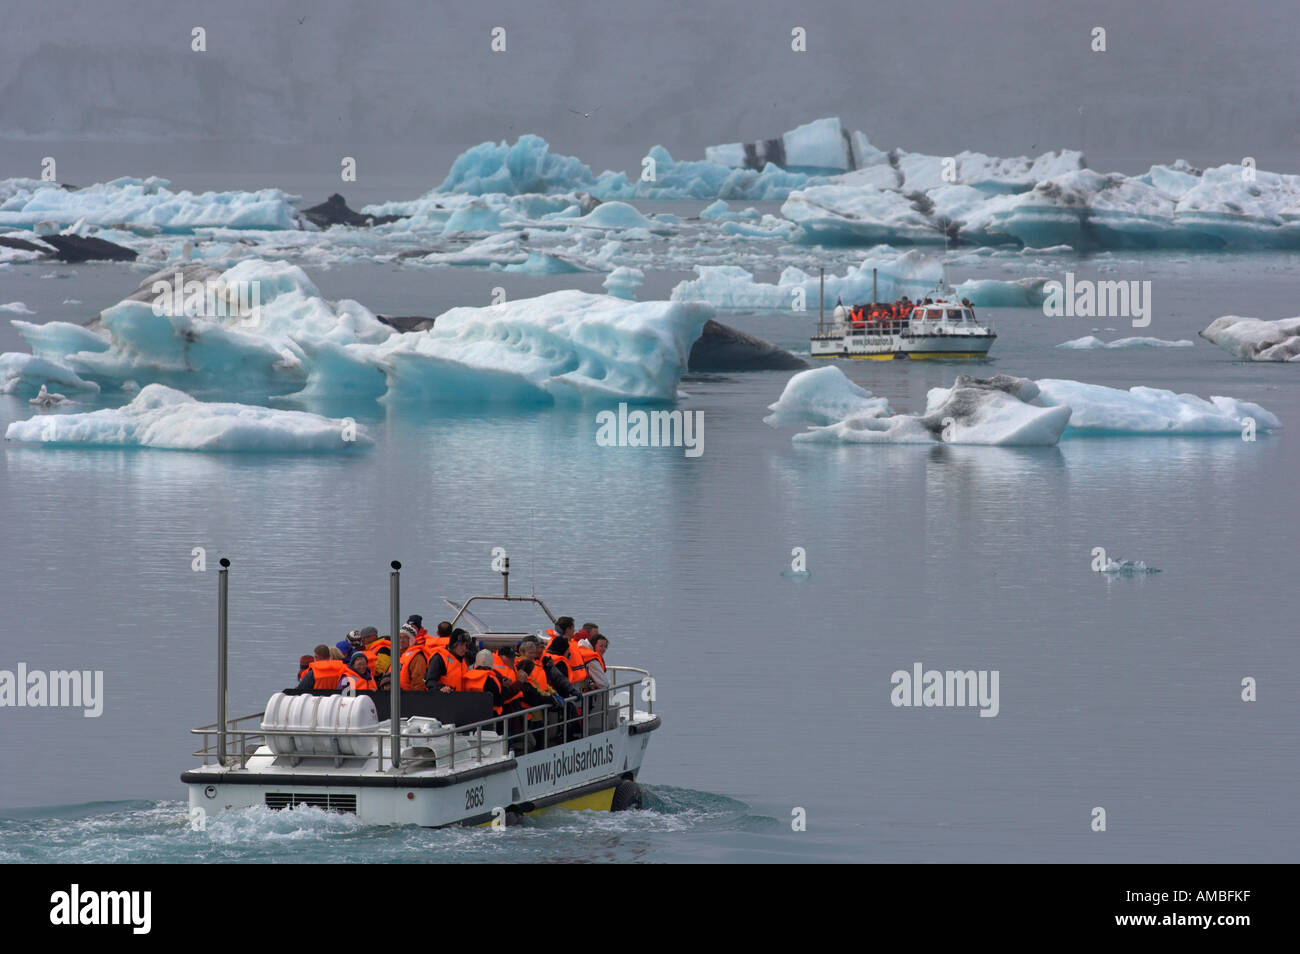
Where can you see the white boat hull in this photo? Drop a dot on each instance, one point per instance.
(905, 345)
(580, 774)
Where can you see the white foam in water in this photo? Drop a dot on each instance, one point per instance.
(1003, 410)
(1252, 339)
(1093, 343)
(161, 417)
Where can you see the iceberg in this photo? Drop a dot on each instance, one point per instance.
(1092, 343)
(142, 204)
(912, 273)
(823, 396)
(566, 346)
(623, 282)
(1002, 410)
(563, 346)
(28, 373)
(164, 418)
(973, 411)
(1097, 409)
(821, 146)
(1252, 339)
(16, 308)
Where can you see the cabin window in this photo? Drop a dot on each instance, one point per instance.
(918, 315)
(935, 314)
(954, 314)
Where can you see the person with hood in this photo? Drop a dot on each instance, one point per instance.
(360, 679)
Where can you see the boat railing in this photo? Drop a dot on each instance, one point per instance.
(528, 730)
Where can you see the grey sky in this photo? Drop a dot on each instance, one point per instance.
(415, 81)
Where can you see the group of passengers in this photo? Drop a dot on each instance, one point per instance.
(891, 313)
(540, 671)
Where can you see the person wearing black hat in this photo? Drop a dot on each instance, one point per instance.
(447, 667)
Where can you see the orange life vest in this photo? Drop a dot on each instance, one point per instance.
(475, 680)
(326, 673)
(362, 685)
(414, 683)
(372, 652)
(507, 674)
(587, 655)
(577, 665)
(454, 677)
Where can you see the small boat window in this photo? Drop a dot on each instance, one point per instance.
(954, 314)
(935, 314)
(918, 315)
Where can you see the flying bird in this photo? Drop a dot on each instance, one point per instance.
(581, 113)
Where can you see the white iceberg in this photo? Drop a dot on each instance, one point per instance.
(1253, 339)
(1097, 409)
(164, 418)
(623, 282)
(1002, 410)
(1093, 343)
(973, 411)
(16, 308)
(912, 273)
(144, 204)
(28, 373)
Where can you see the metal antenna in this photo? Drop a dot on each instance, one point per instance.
(532, 558)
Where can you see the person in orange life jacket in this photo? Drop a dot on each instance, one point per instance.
(361, 679)
(414, 661)
(441, 636)
(503, 662)
(483, 678)
(447, 666)
(556, 666)
(374, 648)
(593, 661)
(325, 672)
(303, 663)
(416, 622)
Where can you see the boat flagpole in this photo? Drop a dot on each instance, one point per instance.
(223, 599)
(394, 665)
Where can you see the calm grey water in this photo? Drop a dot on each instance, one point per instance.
(774, 693)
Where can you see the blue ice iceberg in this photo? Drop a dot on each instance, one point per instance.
(160, 417)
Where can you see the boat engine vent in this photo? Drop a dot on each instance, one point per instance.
(324, 800)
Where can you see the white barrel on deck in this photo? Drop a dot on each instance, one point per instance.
(337, 718)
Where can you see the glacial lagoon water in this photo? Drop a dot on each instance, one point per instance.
(1122, 693)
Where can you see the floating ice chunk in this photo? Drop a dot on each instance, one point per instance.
(837, 214)
(58, 339)
(147, 203)
(46, 398)
(613, 215)
(1127, 568)
(16, 308)
(28, 373)
(623, 282)
(1252, 339)
(823, 396)
(911, 273)
(1092, 342)
(992, 411)
(500, 249)
(1140, 410)
(822, 145)
(161, 417)
(567, 345)
(543, 263)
